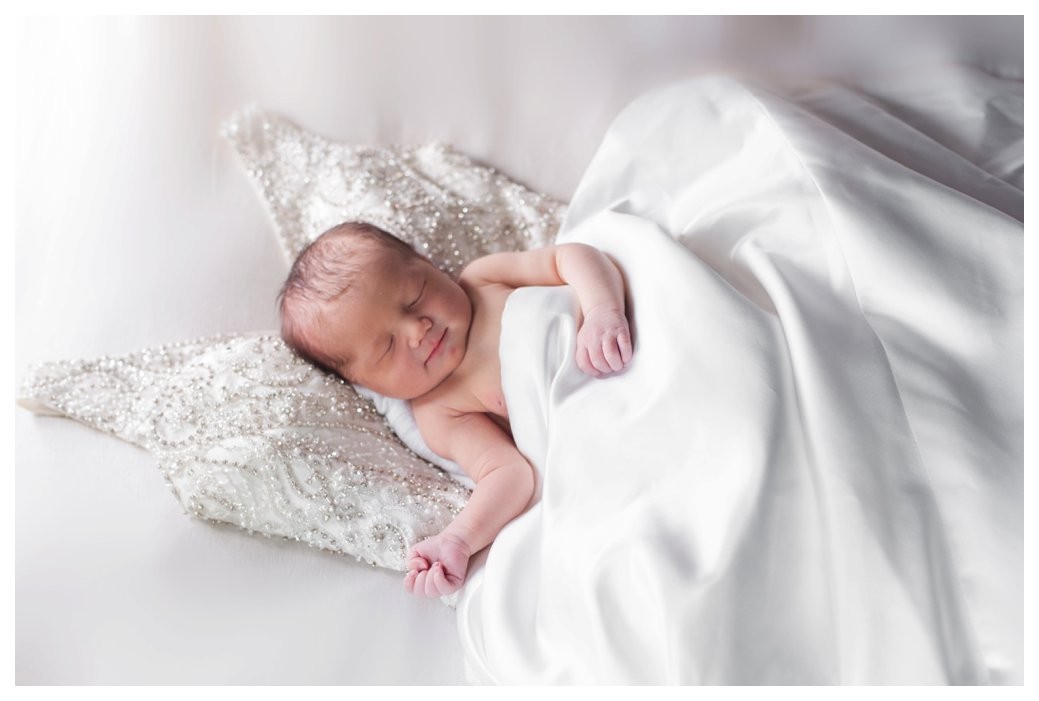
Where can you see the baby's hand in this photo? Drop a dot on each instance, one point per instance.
(437, 566)
(603, 342)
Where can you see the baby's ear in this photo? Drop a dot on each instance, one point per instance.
(348, 370)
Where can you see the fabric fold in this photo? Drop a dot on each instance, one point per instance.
(797, 478)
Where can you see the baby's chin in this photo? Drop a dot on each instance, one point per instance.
(405, 393)
(445, 367)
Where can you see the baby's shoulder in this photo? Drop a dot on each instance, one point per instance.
(440, 407)
(442, 425)
(486, 288)
(478, 273)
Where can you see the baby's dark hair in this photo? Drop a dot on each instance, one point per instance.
(324, 271)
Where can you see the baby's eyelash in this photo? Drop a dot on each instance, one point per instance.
(412, 305)
(389, 347)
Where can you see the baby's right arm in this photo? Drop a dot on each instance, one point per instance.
(604, 339)
(504, 485)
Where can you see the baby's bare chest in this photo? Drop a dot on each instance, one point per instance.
(485, 337)
(477, 383)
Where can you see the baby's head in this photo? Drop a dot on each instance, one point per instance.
(360, 302)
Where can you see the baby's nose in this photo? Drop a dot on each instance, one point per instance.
(421, 328)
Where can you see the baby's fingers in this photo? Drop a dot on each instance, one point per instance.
(409, 581)
(612, 353)
(597, 355)
(436, 583)
(444, 581)
(617, 350)
(585, 363)
(417, 562)
(624, 343)
(419, 588)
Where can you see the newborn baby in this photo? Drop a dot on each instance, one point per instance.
(363, 304)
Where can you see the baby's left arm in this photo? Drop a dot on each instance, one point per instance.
(604, 339)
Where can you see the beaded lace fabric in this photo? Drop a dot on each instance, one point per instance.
(438, 200)
(244, 431)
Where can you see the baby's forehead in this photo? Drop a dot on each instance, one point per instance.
(382, 255)
(367, 298)
(394, 268)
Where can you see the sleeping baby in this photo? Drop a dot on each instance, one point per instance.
(361, 303)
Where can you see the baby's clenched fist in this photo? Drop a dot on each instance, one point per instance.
(603, 342)
(437, 566)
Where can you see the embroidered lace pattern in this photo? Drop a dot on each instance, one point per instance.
(246, 433)
(438, 200)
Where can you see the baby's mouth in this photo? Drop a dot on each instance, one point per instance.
(436, 347)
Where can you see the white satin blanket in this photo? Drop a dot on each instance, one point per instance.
(812, 470)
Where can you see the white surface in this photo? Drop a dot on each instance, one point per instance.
(812, 470)
(136, 227)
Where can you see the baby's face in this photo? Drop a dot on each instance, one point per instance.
(406, 327)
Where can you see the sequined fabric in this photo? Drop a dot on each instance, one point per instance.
(438, 200)
(246, 433)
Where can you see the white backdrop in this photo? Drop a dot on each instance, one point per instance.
(135, 227)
